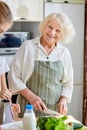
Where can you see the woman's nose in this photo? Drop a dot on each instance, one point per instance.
(52, 32)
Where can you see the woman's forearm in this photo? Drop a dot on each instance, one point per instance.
(33, 99)
(26, 93)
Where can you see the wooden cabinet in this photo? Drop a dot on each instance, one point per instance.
(26, 10)
(85, 71)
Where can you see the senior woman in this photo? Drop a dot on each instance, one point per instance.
(41, 71)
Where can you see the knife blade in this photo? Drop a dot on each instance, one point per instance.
(51, 112)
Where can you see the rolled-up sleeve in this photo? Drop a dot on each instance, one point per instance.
(3, 66)
(21, 68)
(67, 82)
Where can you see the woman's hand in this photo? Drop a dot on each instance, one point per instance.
(62, 106)
(37, 102)
(33, 99)
(6, 94)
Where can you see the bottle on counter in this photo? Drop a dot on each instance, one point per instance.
(29, 119)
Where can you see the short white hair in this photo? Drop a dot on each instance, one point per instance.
(68, 31)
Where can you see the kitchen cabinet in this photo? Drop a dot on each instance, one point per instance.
(26, 10)
(66, 1)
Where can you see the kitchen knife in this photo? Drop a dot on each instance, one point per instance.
(52, 112)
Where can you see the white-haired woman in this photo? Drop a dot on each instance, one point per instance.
(41, 71)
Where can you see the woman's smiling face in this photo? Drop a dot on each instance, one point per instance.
(52, 32)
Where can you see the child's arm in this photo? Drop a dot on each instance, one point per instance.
(3, 82)
(6, 94)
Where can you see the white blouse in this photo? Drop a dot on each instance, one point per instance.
(3, 66)
(23, 63)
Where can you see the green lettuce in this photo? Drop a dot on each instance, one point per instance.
(52, 123)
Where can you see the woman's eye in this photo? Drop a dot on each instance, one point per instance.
(50, 27)
(58, 31)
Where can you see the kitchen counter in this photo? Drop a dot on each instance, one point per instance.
(18, 125)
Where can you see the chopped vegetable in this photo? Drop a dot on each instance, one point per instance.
(52, 123)
(77, 125)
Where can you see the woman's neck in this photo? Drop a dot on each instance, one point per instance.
(48, 47)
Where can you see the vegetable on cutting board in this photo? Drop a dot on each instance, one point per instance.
(54, 123)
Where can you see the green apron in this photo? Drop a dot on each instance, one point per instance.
(45, 82)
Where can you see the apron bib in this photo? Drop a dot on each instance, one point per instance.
(45, 82)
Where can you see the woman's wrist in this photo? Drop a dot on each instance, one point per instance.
(26, 93)
(63, 98)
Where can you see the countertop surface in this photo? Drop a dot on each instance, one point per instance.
(15, 125)
(18, 125)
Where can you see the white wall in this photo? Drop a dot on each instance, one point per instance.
(75, 108)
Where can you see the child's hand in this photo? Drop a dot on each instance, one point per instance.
(6, 94)
(15, 108)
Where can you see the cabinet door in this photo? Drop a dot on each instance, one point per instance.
(31, 10)
(67, 1)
